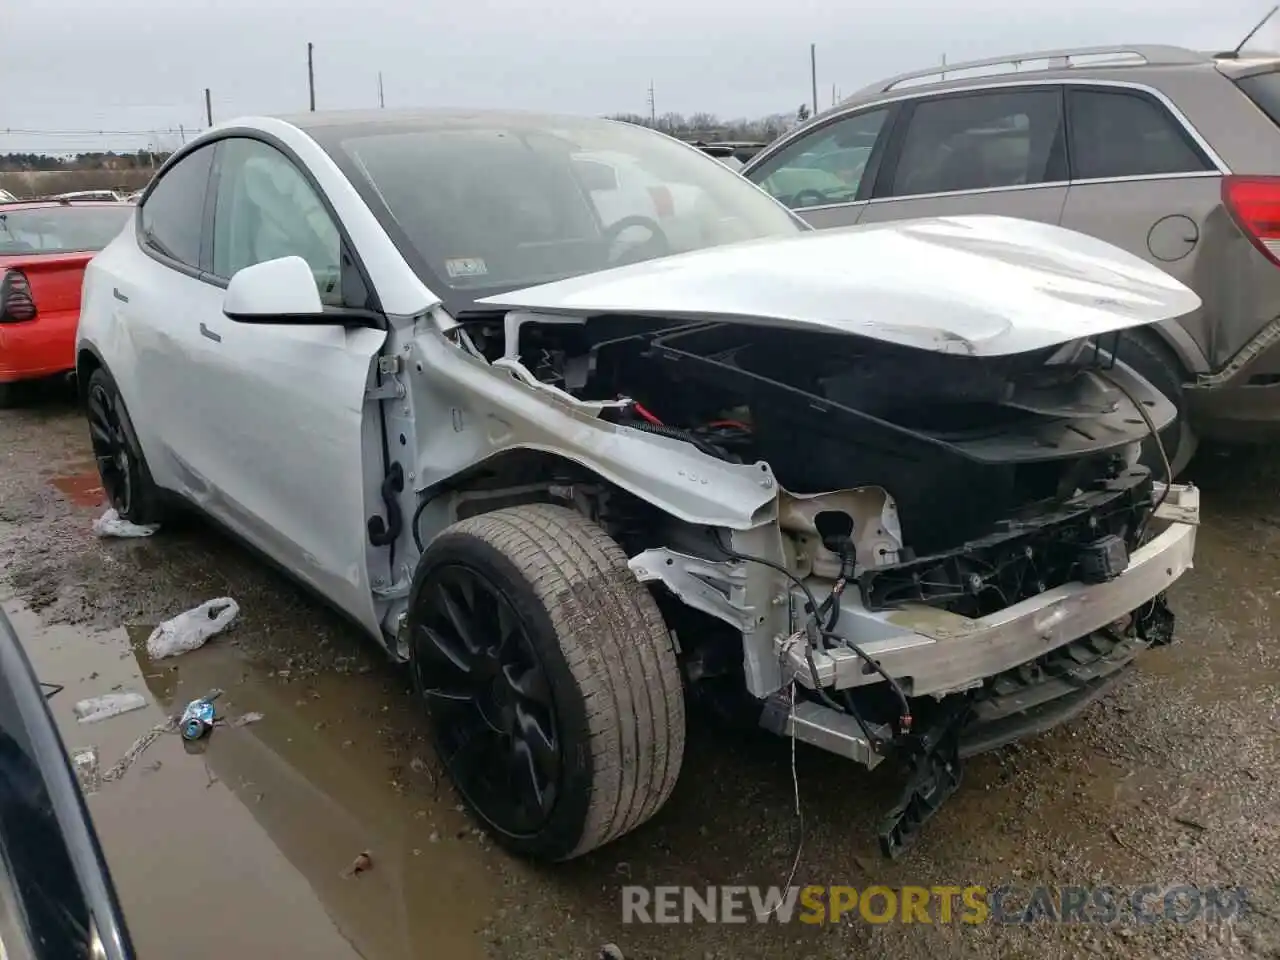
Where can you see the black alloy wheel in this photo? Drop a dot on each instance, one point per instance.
(111, 447)
(489, 698)
(121, 465)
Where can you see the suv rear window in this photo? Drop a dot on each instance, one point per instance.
(1264, 90)
(68, 229)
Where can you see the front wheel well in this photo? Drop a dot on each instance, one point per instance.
(523, 476)
(86, 363)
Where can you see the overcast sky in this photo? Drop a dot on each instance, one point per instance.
(138, 65)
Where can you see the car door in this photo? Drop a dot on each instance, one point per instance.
(160, 296)
(825, 174)
(992, 151)
(286, 411)
(1140, 180)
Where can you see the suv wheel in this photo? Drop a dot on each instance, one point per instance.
(1157, 364)
(121, 465)
(550, 678)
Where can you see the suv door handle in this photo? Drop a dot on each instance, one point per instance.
(206, 332)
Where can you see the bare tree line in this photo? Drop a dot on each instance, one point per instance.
(709, 127)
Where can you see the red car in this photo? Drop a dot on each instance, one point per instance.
(44, 246)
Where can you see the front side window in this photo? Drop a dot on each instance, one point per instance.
(826, 166)
(1122, 134)
(265, 210)
(980, 142)
(481, 206)
(172, 218)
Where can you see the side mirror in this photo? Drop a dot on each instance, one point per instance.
(275, 291)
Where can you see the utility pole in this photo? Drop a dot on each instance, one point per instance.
(208, 108)
(182, 134)
(653, 113)
(813, 73)
(382, 101)
(311, 78)
(944, 66)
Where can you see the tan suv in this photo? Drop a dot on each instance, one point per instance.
(1169, 153)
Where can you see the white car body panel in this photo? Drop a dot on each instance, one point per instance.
(995, 285)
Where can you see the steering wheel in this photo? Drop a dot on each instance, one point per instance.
(656, 246)
(799, 197)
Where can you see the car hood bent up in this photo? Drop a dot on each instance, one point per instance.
(975, 285)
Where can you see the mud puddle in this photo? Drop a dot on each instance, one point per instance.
(241, 845)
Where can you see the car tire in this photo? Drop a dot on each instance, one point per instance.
(122, 467)
(9, 395)
(1157, 364)
(550, 678)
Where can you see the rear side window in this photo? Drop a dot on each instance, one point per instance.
(1264, 90)
(172, 218)
(1122, 134)
(981, 142)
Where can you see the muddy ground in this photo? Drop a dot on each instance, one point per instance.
(243, 850)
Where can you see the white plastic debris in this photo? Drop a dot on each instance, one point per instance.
(94, 709)
(193, 629)
(246, 719)
(110, 524)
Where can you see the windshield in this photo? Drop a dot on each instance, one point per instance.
(61, 229)
(482, 207)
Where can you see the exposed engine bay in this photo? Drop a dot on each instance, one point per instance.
(920, 479)
(1010, 475)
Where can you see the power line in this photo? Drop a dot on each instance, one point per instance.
(89, 132)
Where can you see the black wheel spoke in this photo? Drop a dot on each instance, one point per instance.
(529, 683)
(526, 784)
(454, 695)
(508, 628)
(453, 652)
(100, 433)
(459, 619)
(539, 739)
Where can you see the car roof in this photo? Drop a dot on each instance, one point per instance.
(433, 119)
(5, 207)
(1047, 66)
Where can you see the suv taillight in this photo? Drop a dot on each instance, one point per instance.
(1254, 202)
(16, 304)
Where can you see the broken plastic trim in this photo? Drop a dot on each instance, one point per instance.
(935, 774)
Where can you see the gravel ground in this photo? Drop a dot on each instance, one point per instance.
(246, 846)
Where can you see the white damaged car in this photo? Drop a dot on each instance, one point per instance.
(878, 489)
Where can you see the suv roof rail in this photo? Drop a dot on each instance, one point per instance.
(1124, 55)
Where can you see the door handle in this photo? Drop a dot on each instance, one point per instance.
(206, 332)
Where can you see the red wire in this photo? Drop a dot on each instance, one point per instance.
(640, 409)
(730, 423)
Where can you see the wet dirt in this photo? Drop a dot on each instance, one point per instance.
(243, 845)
